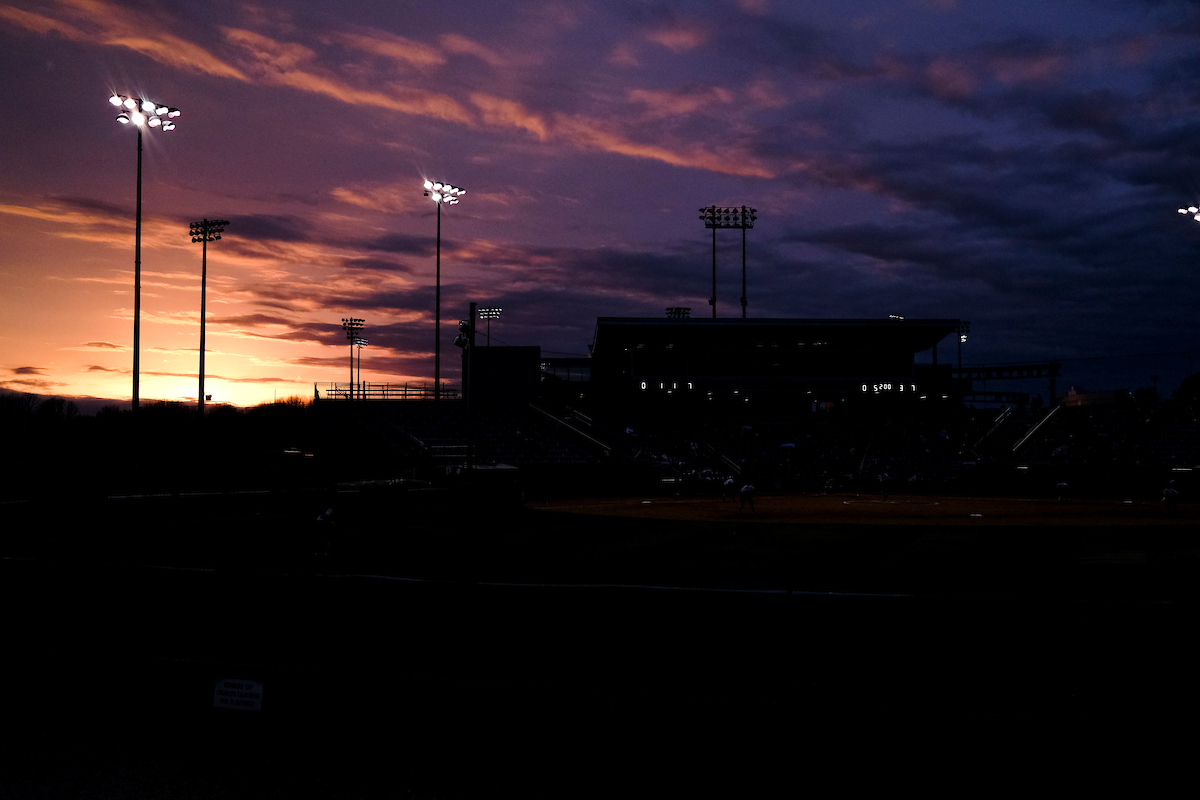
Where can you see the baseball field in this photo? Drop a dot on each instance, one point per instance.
(415, 646)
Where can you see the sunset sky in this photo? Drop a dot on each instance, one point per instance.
(1015, 164)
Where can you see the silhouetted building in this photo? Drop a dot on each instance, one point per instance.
(797, 364)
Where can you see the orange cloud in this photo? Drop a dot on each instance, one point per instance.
(386, 198)
(1036, 69)
(279, 55)
(176, 52)
(462, 45)
(52, 214)
(498, 111)
(670, 104)
(282, 58)
(40, 24)
(678, 38)
(765, 94)
(949, 80)
(395, 47)
(274, 62)
(586, 133)
(124, 28)
(623, 55)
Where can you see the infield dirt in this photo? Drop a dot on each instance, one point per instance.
(866, 509)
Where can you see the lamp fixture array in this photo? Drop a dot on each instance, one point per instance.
(208, 230)
(144, 112)
(352, 325)
(729, 217)
(443, 192)
(1193, 210)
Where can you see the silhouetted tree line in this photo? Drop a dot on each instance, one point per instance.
(52, 447)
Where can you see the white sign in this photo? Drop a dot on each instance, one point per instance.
(238, 694)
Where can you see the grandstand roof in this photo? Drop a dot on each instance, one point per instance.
(903, 335)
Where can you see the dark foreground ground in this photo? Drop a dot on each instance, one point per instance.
(421, 646)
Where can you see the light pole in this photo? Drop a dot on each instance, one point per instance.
(466, 340)
(360, 343)
(205, 231)
(490, 313)
(352, 325)
(1195, 212)
(731, 217)
(141, 113)
(442, 193)
(963, 329)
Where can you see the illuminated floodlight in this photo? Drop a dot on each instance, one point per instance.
(143, 114)
(964, 328)
(441, 194)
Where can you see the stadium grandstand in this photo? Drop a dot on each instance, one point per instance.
(790, 404)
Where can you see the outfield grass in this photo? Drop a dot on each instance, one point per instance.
(571, 648)
(954, 546)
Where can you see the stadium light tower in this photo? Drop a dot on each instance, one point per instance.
(489, 313)
(206, 230)
(141, 113)
(441, 194)
(964, 328)
(352, 326)
(732, 217)
(360, 343)
(1193, 210)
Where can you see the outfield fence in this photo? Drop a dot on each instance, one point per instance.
(383, 391)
